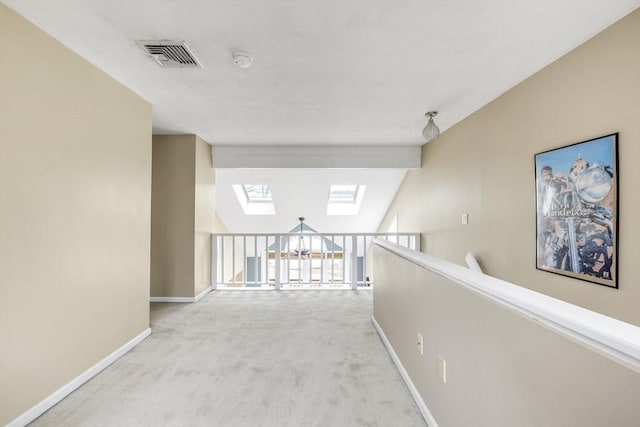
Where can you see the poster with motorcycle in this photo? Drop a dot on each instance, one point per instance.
(577, 204)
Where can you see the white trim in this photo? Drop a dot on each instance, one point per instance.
(285, 287)
(610, 337)
(172, 299)
(182, 299)
(472, 263)
(422, 406)
(202, 294)
(46, 404)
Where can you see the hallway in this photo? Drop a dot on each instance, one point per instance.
(250, 358)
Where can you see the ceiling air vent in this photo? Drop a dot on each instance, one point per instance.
(170, 53)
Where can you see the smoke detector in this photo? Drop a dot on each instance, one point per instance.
(242, 60)
(170, 53)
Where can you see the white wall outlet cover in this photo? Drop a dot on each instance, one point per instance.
(442, 369)
(465, 219)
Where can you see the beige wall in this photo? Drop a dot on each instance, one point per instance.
(182, 216)
(172, 217)
(205, 214)
(75, 179)
(503, 369)
(218, 225)
(483, 166)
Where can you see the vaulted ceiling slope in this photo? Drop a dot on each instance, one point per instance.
(324, 72)
(305, 192)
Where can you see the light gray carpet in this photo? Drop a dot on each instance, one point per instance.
(250, 358)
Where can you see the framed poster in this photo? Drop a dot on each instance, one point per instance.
(576, 210)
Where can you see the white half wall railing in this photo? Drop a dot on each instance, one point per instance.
(614, 338)
(296, 260)
(490, 352)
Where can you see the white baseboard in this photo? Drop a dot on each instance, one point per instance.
(181, 299)
(171, 299)
(203, 293)
(422, 406)
(71, 386)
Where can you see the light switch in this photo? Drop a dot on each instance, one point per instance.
(465, 219)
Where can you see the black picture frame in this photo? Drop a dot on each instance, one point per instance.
(577, 210)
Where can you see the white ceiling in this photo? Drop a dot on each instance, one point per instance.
(353, 72)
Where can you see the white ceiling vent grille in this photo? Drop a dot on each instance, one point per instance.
(170, 53)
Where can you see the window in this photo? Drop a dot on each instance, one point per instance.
(255, 199)
(345, 199)
(257, 193)
(343, 193)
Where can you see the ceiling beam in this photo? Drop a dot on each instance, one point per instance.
(317, 157)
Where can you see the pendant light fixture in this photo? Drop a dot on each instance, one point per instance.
(431, 130)
(301, 250)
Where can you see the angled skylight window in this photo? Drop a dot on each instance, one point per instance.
(345, 199)
(343, 193)
(257, 193)
(255, 199)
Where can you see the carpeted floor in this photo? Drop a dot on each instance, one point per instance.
(254, 359)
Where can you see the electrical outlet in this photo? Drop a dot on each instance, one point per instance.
(442, 369)
(420, 343)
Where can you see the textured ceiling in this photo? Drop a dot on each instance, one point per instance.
(350, 72)
(325, 72)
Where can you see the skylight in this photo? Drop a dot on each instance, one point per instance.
(345, 199)
(257, 193)
(343, 193)
(255, 199)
